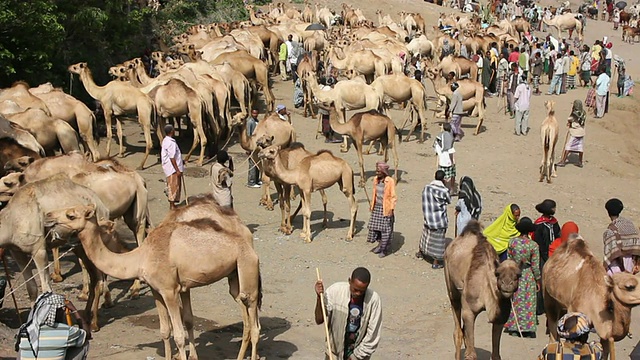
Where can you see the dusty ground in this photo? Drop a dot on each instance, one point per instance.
(417, 320)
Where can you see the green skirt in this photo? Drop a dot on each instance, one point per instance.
(546, 66)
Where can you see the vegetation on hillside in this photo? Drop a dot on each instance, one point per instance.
(40, 38)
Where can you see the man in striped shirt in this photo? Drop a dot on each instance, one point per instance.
(435, 198)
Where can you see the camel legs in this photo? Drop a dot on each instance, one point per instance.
(394, 150)
(32, 287)
(246, 290)
(148, 144)
(456, 308)
(198, 137)
(172, 301)
(608, 349)
(266, 196)
(358, 145)
(119, 133)
(285, 206)
(96, 283)
(324, 207)
(187, 313)
(40, 259)
(496, 334)
(107, 120)
(353, 205)
(165, 324)
(306, 214)
(469, 321)
(56, 276)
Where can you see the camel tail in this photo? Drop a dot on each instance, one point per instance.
(94, 128)
(399, 135)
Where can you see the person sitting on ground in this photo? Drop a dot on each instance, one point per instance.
(221, 179)
(503, 229)
(573, 333)
(47, 334)
(621, 241)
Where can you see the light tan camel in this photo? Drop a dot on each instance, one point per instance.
(20, 135)
(370, 125)
(477, 281)
(305, 67)
(521, 26)
(52, 134)
(347, 95)
(307, 13)
(19, 93)
(117, 99)
(73, 111)
(22, 228)
(400, 88)
(549, 138)
(277, 132)
(575, 280)
(202, 252)
(363, 62)
(316, 172)
(565, 22)
(457, 64)
(422, 47)
(251, 68)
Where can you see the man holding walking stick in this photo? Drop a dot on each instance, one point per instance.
(172, 165)
(354, 316)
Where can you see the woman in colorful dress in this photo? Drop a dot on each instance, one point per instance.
(524, 251)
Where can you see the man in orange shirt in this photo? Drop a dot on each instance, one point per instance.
(382, 207)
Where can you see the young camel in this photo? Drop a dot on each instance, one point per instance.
(176, 257)
(315, 172)
(119, 98)
(477, 281)
(574, 280)
(365, 126)
(549, 138)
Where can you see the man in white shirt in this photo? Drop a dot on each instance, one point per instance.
(556, 81)
(172, 166)
(522, 98)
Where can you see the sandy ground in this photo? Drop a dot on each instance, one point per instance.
(417, 319)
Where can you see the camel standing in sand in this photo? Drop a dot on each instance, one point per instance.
(305, 67)
(549, 137)
(75, 112)
(574, 280)
(178, 256)
(118, 98)
(365, 126)
(565, 22)
(316, 172)
(477, 281)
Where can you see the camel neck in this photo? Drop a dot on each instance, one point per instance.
(92, 88)
(286, 175)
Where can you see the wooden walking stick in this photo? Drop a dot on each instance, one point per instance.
(13, 295)
(324, 318)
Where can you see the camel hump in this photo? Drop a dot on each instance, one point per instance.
(296, 145)
(324, 151)
(473, 228)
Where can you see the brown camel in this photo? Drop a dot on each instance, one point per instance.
(549, 137)
(202, 252)
(370, 125)
(457, 64)
(305, 67)
(363, 62)
(400, 88)
(16, 143)
(276, 132)
(477, 281)
(73, 111)
(13, 154)
(316, 172)
(118, 98)
(575, 280)
(51, 133)
(19, 93)
(23, 230)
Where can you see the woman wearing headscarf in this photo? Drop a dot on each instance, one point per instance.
(469, 205)
(573, 333)
(503, 229)
(575, 142)
(547, 230)
(382, 209)
(488, 70)
(221, 179)
(569, 228)
(522, 320)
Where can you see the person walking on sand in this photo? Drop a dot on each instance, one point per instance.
(602, 91)
(443, 145)
(522, 99)
(382, 209)
(283, 54)
(254, 173)
(456, 112)
(556, 81)
(354, 316)
(435, 198)
(469, 205)
(575, 142)
(172, 165)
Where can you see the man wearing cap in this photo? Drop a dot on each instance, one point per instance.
(172, 166)
(573, 331)
(621, 241)
(283, 114)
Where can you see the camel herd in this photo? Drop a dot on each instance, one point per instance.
(214, 81)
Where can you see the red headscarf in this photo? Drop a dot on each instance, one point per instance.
(567, 229)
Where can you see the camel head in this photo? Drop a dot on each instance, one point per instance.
(78, 68)
(118, 71)
(550, 104)
(625, 288)
(264, 141)
(9, 185)
(507, 275)
(269, 153)
(67, 222)
(157, 56)
(18, 164)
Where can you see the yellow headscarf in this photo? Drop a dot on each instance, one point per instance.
(502, 230)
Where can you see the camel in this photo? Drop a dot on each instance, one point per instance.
(364, 126)
(421, 46)
(19, 93)
(270, 130)
(325, 16)
(347, 95)
(574, 279)
(179, 256)
(384, 21)
(73, 111)
(565, 22)
(16, 142)
(549, 138)
(477, 281)
(305, 67)
(521, 26)
(400, 88)
(457, 64)
(307, 13)
(11, 152)
(117, 99)
(412, 22)
(363, 62)
(23, 230)
(52, 134)
(314, 173)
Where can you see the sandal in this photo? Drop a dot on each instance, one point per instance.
(437, 266)
(419, 255)
(561, 164)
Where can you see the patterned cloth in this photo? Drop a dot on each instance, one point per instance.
(620, 239)
(582, 325)
(42, 314)
(432, 242)
(575, 144)
(380, 227)
(590, 100)
(524, 251)
(174, 185)
(569, 350)
(456, 121)
(571, 81)
(471, 197)
(449, 171)
(435, 198)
